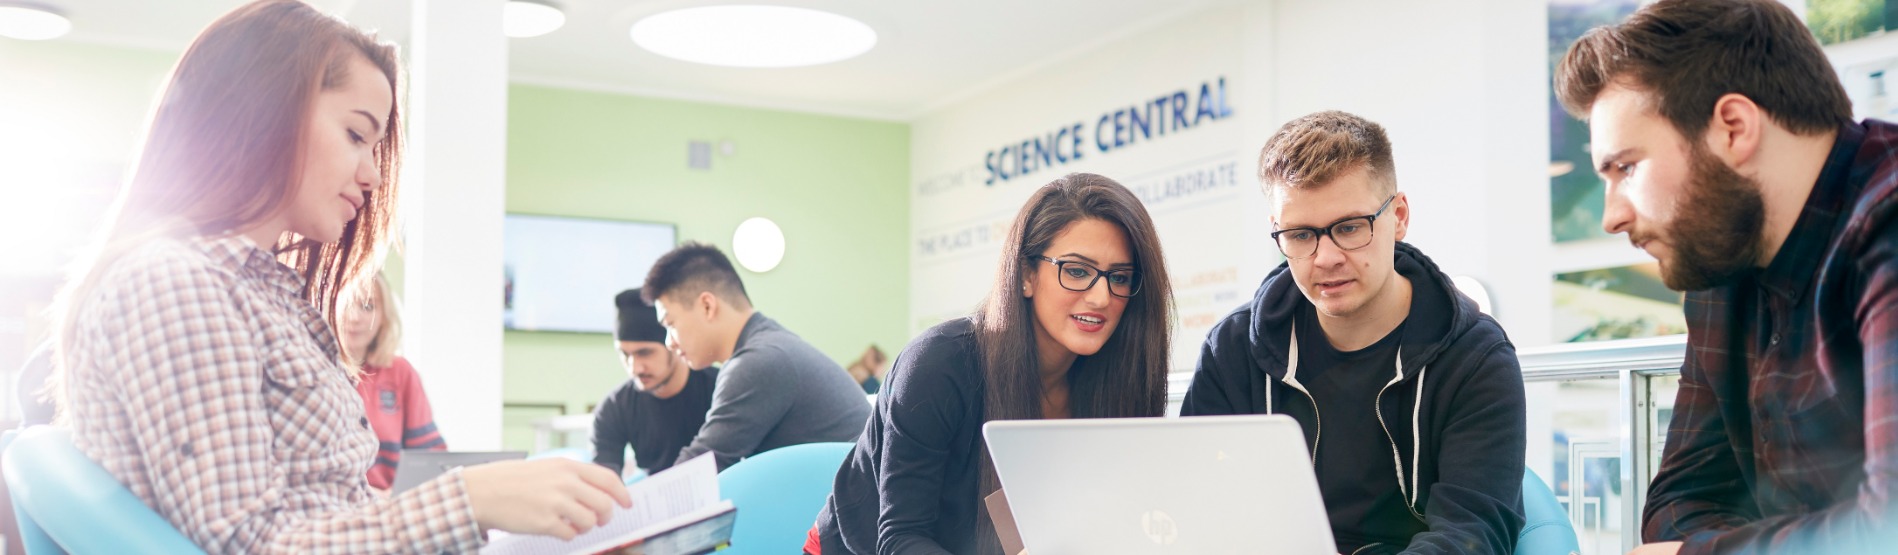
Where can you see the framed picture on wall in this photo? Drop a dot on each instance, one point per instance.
(1620, 302)
(561, 273)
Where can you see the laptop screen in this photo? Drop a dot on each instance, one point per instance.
(420, 466)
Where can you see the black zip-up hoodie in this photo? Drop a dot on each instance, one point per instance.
(1454, 419)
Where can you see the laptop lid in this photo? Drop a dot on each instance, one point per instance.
(1202, 485)
(419, 466)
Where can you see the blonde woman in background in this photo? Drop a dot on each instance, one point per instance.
(392, 394)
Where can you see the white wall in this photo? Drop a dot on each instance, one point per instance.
(1460, 86)
(1215, 248)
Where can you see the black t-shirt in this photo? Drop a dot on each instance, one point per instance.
(656, 428)
(1361, 493)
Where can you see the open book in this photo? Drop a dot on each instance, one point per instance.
(674, 512)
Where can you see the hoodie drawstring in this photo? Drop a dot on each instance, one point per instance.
(1416, 438)
(1291, 379)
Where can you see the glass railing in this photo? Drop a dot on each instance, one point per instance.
(1597, 415)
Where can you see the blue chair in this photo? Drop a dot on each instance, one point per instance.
(1546, 529)
(81, 508)
(32, 538)
(778, 494)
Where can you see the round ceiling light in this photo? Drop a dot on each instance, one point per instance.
(28, 21)
(530, 18)
(754, 36)
(758, 244)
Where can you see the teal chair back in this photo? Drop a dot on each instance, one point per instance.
(778, 494)
(1546, 529)
(32, 538)
(81, 509)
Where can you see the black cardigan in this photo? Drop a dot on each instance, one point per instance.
(912, 483)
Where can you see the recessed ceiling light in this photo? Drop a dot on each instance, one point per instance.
(530, 18)
(754, 36)
(29, 21)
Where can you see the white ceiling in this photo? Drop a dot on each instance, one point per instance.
(930, 53)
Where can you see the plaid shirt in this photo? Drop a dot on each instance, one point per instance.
(203, 381)
(1785, 433)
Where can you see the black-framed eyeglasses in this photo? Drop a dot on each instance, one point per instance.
(1080, 276)
(1348, 234)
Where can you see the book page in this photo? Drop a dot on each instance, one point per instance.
(685, 488)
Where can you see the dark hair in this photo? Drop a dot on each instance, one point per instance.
(1128, 376)
(224, 149)
(692, 268)
(1314, 150)
(1686, 54)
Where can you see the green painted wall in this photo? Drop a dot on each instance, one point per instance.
(836, 186)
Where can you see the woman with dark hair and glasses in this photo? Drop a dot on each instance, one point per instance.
(1076, 325)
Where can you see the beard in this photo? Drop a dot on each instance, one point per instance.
(1716, 229)
(672, 367)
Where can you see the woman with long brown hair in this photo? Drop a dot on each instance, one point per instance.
(197, 361)
(1076, 325)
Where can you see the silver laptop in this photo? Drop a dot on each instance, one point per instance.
(419, 466)
(1203, 485)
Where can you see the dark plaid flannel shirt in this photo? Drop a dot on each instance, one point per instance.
(1785, 432)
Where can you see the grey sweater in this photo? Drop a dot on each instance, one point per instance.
(776, 391)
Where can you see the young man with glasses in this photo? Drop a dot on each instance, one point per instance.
(1411, 399)
(1726, 142)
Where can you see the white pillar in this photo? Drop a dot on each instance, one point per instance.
(1513, 169)
(1257, 91)
(455, 197)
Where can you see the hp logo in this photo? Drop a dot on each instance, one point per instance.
(1159, 527)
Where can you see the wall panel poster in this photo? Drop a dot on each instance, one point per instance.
(562, 273)
(1616, 303)
(1162, 113)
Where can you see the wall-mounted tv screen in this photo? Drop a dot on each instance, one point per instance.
(562, 272)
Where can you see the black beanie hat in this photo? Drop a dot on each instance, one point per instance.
(637, 320)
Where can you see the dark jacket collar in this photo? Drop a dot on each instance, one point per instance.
(1790, 274)
(1438, 313)
(754, 325)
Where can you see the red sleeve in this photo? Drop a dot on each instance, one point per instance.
(418, 420)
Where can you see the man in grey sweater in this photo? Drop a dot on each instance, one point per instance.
(773, 389)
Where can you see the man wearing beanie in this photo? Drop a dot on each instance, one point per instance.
(661, 407)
